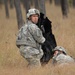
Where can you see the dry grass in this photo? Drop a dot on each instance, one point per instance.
(11, 63)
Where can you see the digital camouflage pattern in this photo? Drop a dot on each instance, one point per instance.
(30, 39)
(61, 58)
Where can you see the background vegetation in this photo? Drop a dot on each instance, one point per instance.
(11, 62)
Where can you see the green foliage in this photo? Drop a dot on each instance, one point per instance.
(70, 2)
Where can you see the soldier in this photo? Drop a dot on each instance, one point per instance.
(30, 38)
(60, 56)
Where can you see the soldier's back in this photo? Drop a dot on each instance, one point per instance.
(61, 58)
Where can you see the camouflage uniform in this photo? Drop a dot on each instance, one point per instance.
(62, 58)
(30, 39)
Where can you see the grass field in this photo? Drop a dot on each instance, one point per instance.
(11, 62)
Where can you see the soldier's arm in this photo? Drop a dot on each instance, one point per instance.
(37, 34)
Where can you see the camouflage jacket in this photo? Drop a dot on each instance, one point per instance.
(61, 58)
(30, 35)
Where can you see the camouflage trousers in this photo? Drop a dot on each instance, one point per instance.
(32, 55)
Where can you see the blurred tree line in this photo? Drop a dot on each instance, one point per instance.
(39, 4)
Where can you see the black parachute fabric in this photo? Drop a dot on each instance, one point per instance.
(45, 25)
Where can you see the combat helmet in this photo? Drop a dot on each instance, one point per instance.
(32, 11)
(60, 48)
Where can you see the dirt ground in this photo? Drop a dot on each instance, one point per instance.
(11, 62)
